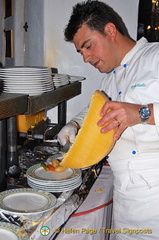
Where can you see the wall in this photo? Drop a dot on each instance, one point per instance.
(34, 37)
(44, 43)
(19, 32)
(61, 54)
(1, 31)
(15, 23)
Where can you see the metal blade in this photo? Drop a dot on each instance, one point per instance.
(66, 147)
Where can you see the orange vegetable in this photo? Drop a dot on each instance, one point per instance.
(90, 146)
(51, 168)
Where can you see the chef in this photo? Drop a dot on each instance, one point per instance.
(132, 84)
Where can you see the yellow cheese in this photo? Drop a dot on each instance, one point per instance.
(90, 146)
(25, 122)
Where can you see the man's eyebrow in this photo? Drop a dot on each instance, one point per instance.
(83, 44)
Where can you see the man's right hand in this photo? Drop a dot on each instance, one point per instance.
(68, 132)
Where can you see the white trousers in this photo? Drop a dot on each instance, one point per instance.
(136, 199)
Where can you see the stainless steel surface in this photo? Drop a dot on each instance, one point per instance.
(3, 181)
(12, 104)
(66, 147)
(53, 98)
(13, 169)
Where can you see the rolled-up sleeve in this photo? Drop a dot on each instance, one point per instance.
(156, 115)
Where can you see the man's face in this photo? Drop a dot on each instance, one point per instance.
(96, 49)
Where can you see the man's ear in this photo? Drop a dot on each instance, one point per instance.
(110, 30)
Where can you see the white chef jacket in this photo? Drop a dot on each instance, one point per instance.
(135, 156)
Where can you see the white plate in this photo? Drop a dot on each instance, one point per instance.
(54, 183)
(39, 173)
(27, 88)
(36, 84)
(53, 189)
(25, 92)
(24, 75)
(28, 81)
(30, 93)
(76, 78)
(12, 232)
(27, 69)
(26, 201)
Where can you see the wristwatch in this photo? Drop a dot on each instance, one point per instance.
(144, 113)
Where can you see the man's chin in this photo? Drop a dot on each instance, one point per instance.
(105, 70)
(102, 70)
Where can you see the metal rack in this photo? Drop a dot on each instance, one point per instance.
(17, 104)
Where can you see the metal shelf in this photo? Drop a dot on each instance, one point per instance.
(12, 104)
(51, 99)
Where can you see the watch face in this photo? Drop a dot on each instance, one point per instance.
(145, 112)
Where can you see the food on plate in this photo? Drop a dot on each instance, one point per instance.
(55, 162)
(60, 168)
(90, 145)
(54, 166)
(51, 168)
(45, 166)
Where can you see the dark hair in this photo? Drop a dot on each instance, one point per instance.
(95, 15)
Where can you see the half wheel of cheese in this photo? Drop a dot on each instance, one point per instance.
(90, 145)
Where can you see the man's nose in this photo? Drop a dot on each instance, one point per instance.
(86, 57)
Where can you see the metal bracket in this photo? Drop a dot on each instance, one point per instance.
(26, 26)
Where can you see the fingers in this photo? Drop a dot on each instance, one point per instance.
(109, 125)
(62, 139)
(118, 125)
(115, 115)
(105, 108)
(118, 122)
(68, 132)
(72, 137)
(109, 118)
(119, 131)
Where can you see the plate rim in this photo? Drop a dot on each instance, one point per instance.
(19, 232)
(30, 172)
(52, 200)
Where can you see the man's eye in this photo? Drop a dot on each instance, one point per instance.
(88, 47)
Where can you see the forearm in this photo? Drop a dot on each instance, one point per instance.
(151, 119)
(123, 115)
(79, 118)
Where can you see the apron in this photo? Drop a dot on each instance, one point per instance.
(136, 199)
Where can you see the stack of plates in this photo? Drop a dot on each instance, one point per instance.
(76, 79)
(39, 178)
(11, 231)
(27, 80)
(28, 206)
(60, 80)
